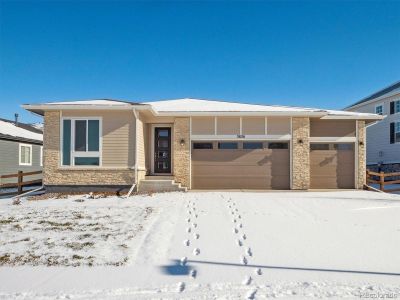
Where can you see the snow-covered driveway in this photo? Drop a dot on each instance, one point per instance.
(216, 245)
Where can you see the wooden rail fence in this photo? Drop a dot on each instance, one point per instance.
(380, 178)
(20, 182)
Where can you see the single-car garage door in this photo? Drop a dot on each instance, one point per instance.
(240, 165)
(332, 165)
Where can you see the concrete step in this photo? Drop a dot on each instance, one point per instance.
(159, 177)
(160, 185)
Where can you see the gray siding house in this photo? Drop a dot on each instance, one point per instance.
(21, 149)
(383, 137)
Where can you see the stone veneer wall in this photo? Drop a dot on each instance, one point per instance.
(300, 153)
(361, 134)
(182, 152)
(54, 175)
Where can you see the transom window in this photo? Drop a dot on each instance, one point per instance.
(25, 155)
(227, 145)
(253, 145)
(203, 145)
(379, 109)
(278, 146)
(81, 142)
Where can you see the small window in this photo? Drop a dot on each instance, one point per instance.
(397, 106)
(379, 109)
(397, 132)
(87, 161)
(202, 145)
(25, 155)
(253, 145)
(278, 146)
(319, 146)
(343, 146)
(227, 145)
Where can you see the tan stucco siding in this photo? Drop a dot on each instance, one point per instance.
(253, 126)
(278, 125)
(228, 125)
(203, 125)
(118, 136)
(332, 128)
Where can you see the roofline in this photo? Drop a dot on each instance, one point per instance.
(7, 137)
(355, 117)
(391, 94)
(239, 113)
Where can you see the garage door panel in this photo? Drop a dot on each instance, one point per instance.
(240, 169)
(332, 169)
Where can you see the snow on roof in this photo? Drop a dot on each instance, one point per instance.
(9, 128)
(93, 102)
(200, 105)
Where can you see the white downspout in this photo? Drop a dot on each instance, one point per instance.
(135, 183)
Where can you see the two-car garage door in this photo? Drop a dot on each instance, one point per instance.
(240, 165)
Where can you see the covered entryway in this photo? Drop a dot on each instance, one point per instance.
(240, 165)
(332, 165)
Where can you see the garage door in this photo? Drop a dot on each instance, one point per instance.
(244, 165)
(332, 166)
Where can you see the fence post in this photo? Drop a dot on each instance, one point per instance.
(20, 180)
(382, 181)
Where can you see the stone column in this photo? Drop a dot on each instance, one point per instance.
(181, 150)
(300, 153)
(51, 145)
(361, 146)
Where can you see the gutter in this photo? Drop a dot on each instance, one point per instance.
(136, 147)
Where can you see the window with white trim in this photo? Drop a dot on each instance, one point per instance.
(397, 106)
(397, 132)
(81, 142)
(379, 109)
(25, 155)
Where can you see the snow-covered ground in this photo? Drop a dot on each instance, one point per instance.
(225, 245)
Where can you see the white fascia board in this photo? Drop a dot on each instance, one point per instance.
(242, 113)
(373, 100)
(199, 137)
(355, 117)
(342, 139)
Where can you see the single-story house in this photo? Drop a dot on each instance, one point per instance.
(20, 149)
(200, 144)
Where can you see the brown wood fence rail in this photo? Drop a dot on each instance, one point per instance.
(379, 178)
(20, 182)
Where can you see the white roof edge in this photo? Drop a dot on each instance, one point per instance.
(84, 106)
(353, 117)
(240, 113)
(373, 100)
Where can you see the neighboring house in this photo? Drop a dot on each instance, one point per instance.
(20, 149)
(383, 137)
(200, 144)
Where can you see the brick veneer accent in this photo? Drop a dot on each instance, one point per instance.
(301, 153)
(361, 174)
(182, 152)
(54, 175)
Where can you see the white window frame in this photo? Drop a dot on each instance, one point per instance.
(41, 156)
(383, 109)
(395, 131)
(74, 153)
(395, 104)
(30, 155)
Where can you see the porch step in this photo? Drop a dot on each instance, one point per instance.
(159, 177)
(159, 185)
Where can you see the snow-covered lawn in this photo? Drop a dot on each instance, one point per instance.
(228, 245)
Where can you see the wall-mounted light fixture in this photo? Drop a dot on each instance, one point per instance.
(182, 142)
(300, 141)
(361, 143)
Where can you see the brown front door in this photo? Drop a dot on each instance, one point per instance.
(162, 150)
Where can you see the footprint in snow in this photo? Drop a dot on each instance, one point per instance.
(188, 220)
(235, 230)
(244, 236)
(196, 236)
(247, 280)
(239, 242)
(194, 225)
(243, 260)
(233, 213)
(239, 216)
(258, 271)
(196, 251)
(193, 273)
(183, 261)
(188, 230)
(249, 252)
(186, 242)
(234, 220)
(251, 294)
(240, 225)
(196, 215)
(181, 287)
(189, 212)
